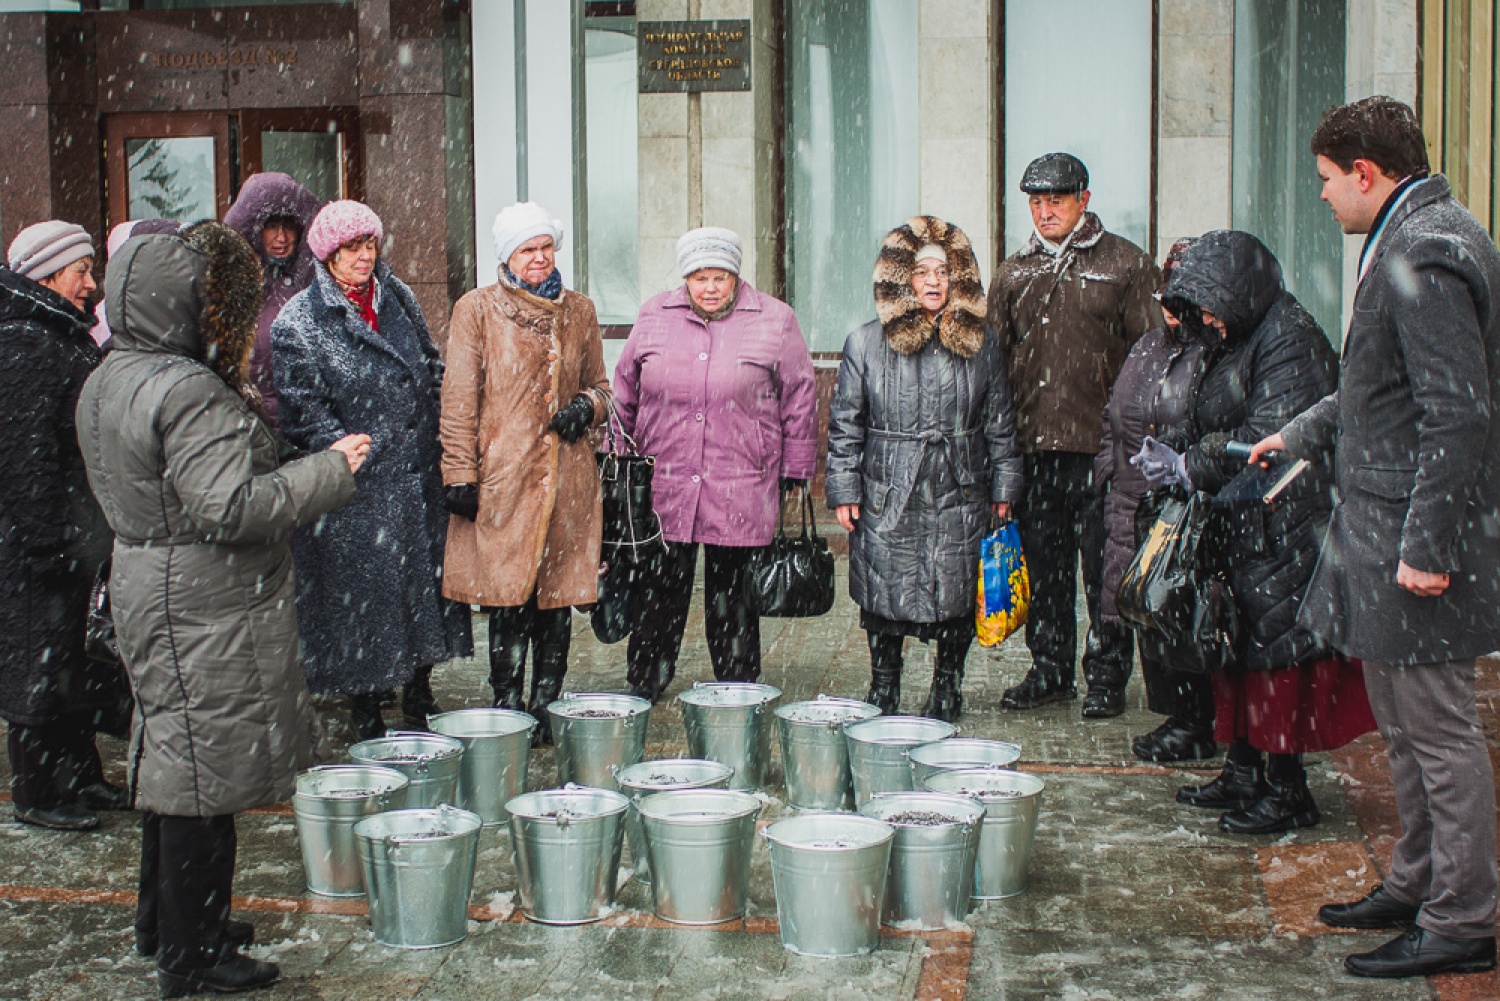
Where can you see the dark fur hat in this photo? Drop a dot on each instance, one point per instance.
(907, 325)
(233, 299)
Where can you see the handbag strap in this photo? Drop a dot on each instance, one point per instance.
(809, 520)
(611, 419)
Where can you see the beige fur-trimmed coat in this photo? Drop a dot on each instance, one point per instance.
(513, 360)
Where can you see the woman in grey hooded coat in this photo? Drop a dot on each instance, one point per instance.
(921, 453)
(202, 500)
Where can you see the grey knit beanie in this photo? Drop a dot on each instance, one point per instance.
(42, 250)
(709, 247)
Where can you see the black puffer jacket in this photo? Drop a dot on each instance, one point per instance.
(52, 535)
(1273, 363)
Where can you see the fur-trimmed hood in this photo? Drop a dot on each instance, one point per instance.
(907, 327)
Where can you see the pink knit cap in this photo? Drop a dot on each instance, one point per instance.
(339, 222)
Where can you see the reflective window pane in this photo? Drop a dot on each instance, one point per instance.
(1078, 80)
(171, 178)
(313, 159)
(852, 154)
(611, 169)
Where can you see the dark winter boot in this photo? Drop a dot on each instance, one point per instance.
(1106, 669)
(1237, 787)
(364, 716)
(945, 700)
(507, 667)
(885, 672)
(1287, 803)
(417, 700)
(549, 665)
(1039, 688)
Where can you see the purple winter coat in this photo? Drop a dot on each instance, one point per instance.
(727, 408)
(261, 197)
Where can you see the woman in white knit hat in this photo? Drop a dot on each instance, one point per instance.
(716, 383)
(525, 383)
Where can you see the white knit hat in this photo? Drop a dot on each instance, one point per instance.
(709, 247)
(521, 222)
(931, 251)
(42, 250)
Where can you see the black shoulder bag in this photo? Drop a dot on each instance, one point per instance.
(631, 531)
(793, 576)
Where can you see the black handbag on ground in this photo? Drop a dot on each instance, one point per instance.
(793, 576)
(631, 530)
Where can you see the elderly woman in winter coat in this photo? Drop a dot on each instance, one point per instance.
(52, 536)
(526, 382)
(717, 383)
(352, 353)
(1266, 361)
(921, 453)
(273, 213)
(1152, 396)
(202, 499)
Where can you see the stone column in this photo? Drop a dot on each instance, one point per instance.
(1195, 101)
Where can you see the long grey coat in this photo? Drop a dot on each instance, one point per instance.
(921, 436)
(1415, 435)
(202, 506)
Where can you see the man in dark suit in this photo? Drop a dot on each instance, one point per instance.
(1409, 579)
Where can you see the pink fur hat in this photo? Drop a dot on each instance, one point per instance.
(339, 222)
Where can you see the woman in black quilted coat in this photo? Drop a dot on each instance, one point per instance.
(1268, 360)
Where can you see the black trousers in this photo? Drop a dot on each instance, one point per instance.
(51, 761)
(187, 870)
(659, 613)
(1178, 694)
(548, 633)
(1062, 524)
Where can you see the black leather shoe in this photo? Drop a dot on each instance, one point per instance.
(1237, 787)
(1421, 953)
(1175, 740)
(1377, 909)
(417, 700)
(1036, 690)
(885, 696)
(234, 972)
(236, 933)
(104, 795)
(945, 705)
(58, 818)
(1103, 703)
(1282, 809)
(643, 690)
(364, 716)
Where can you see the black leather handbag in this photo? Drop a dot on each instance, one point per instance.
(793, 576)
(631, 531)
(99, 685)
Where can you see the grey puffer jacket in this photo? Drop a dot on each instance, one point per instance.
(202, 504)
(921, 436)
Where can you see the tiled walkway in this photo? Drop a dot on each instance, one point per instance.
(1132, 896)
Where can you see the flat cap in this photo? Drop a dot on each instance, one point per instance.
(1055, 173)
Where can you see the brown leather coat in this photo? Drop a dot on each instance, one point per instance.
(513, 360)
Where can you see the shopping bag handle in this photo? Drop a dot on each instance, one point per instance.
(809, 521)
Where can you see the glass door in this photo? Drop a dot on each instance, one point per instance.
(319, 147)
(168, 166)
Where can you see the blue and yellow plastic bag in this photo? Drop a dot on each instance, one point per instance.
(1004, 585)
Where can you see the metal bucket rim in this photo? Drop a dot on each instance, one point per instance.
(789, 711)
(965, 742)
(887, 832)
(969, 804)
(525, 722)
(631, 705)
(1031, 785)
(618, 804)
(748, 806)
(449, 747)
(699, 695)
(383, 773)
(917, 722)
(622, 775)
(366, 827)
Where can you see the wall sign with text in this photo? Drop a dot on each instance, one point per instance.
(678, 57)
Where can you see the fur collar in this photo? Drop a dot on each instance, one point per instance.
(907, 326)
(1088, 233)
(231, 308)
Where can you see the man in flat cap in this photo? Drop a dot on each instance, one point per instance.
(1067, 307)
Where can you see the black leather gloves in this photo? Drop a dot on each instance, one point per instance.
(463, 500)
(573, 421)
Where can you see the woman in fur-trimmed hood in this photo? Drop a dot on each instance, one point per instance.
(921, 454)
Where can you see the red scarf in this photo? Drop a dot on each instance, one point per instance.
(363, 298)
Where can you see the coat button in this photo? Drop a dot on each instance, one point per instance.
(703, 356)
(547, 398)
(697, 417)
(697, 479)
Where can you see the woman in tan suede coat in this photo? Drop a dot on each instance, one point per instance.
(525, 382)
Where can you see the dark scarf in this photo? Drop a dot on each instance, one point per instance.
(1385, 210)
(363, 299)
(723, 310)
(550, 288)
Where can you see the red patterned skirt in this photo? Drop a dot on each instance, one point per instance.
(1315, 707)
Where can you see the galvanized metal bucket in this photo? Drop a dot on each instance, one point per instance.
(328, 801)
(961, 752)
(814, 755)
(829, 872)
(700, 842)
(596, 734)
(932, 855)
(419, 869)
(1012, 802)
(430, 762)
(730, 722)
(497, 750)
(878, 749)
(669, 775)
(567, 851)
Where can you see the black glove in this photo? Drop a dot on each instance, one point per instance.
(1214, 447)
(573, 421)
(792, 483)
(463, 500)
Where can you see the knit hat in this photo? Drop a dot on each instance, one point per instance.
(521, 222)
(931, 252)
(709, 247)
(339, 222)
(42, 250)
